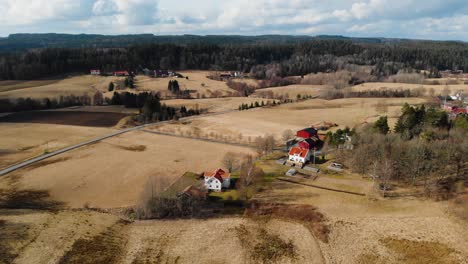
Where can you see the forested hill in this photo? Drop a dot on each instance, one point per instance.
(285, 55)
(23, 42)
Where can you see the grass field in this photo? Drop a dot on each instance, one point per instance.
(113, 173)
(258, 122)
(20, 141)
(366, 230)
(29, 236)
(197, 83)
(454, 88)
(291, 90)
(75, 85)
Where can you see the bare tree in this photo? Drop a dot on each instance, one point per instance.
(230, 161)
(287, 135)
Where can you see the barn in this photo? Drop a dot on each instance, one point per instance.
(307, 133)
(309, 143)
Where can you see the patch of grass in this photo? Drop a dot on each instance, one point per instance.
(370, 258)
(28, 199)
(106, 247)
(264, 247)
(11, 234)
(420, 252)
(228, 195)
(135, 148)
(47, 162)
(304, 214)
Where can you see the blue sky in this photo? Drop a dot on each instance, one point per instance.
(428, 19)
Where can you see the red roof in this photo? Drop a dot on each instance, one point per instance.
(219, 174)
(298, 151)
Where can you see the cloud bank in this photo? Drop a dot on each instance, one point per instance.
(431, 19)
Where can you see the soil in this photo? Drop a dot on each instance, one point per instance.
(89, 119)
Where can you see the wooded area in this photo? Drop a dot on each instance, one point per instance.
(262, 60)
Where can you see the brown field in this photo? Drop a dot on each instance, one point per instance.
(74, 118)
(99, 109)
(197, 83)
(372, 230)
(21, 141)
(88, 237)
(258, 122)
(291, 90)
(77, 85)
(113, 174)
(437, 88)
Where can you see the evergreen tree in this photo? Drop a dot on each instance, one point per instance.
(111, 87)
(381, 125)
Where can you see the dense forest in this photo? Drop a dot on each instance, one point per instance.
(287, 59)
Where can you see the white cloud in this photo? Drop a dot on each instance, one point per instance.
(393, 18)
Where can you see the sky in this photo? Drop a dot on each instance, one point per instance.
(416, 19)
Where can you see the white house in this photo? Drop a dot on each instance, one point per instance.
(95, 72)
(299, 155)
(217, 180)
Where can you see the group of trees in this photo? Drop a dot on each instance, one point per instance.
(426, 149)
(415, 121)
(31, 104)
(260, 60)
(254, 105)
(151, 107)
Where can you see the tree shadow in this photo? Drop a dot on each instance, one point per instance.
(28, 199)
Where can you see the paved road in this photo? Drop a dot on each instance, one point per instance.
(120, 132)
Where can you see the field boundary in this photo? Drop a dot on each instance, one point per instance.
(321, 187)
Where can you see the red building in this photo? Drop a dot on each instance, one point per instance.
(307, 133)
(309, 143)
(121, 73)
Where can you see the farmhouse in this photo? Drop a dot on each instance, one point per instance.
(217, 180)
(307, 133)
(298, 156)
(95, 72)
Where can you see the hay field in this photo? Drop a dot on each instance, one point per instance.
(427, 88)
(261, 121)
(214, 105)
(198, 83)
(291, 90)
(114, 172)
(31, 236)
(373, 230)
(77, 85)
(21, 141)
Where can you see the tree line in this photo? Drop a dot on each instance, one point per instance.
(262, 60)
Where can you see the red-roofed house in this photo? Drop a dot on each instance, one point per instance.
(299, 156)
(217, 180)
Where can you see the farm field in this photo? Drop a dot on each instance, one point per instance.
(291, 90)
(74, 85)
(197, 83)
(82, 236)
(274, 120)
(366, 230)
(21, 141)
(114, 172)
(453, 88)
